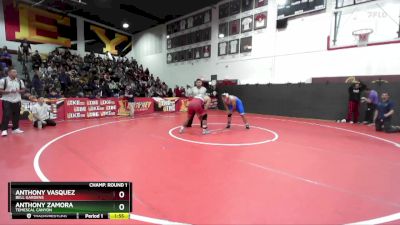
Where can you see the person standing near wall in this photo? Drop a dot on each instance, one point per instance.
(130, 96)
(383, 115)
(372, 100)
(355, 91)
(11, 88)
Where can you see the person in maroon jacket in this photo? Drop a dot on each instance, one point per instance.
(355, 91)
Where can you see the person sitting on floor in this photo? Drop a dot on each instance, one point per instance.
(41, 116)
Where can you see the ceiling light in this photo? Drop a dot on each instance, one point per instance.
(221, 35)
(168, 36)
(125, 25)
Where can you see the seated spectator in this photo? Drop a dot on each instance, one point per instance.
(41, 114)
(54, 94)
(5, 59)
(383, 115)
(177, 91)
(170, 93)
(185, 93)
(36, 60)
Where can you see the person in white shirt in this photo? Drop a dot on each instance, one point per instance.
(198, 90)
(41, 115)
(11, 88)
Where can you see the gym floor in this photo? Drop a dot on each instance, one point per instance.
(281, 171)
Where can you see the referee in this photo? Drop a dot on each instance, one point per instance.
(11, 88)
(198, 90)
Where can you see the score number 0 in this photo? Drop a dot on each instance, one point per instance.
(121, 195)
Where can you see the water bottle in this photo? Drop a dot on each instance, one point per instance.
(39, 123)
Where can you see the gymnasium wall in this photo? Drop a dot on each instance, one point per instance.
(295, 54)
(319, 101)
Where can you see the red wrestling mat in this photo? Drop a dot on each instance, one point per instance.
(281, 171)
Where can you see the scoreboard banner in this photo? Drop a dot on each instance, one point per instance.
(79, 200)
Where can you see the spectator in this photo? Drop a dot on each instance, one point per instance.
(37, 84)
(11, 88)
(5, 59)
(355, 91)
(177, 91)
(41, 114)
(36, 60)
(383, 115)
(54, 94)
(25, 47)
(183, 92)
(129, 94)
(170, 93)
(372, 100)
(64, 81)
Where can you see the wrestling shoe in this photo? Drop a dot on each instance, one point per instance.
(247, 126)
(205, 131)
(17, 131)
(228, 126)
(181, 130)
(4, 133)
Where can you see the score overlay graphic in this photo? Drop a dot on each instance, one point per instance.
(63, 200)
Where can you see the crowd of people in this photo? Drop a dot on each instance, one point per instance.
(70, 75)
(64, 74)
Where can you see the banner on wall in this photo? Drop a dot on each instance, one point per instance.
(102, 40)
(175, 104)
(142, 106)
(214, 103)
(84, 108)
(38, 26)
(167, 104)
